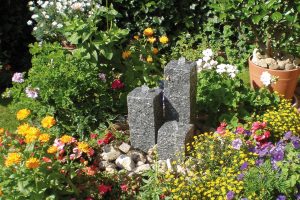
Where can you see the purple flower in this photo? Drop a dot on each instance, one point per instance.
(296, 144)
(230, 195)
(277, 154)
(244, 198)
(298, 196)
(32, 92)
(259, 162)
(237, 143)
(281, 197)
(102, 77)
(287, 135)
(240, 177)
(18, 77)
(244, 165)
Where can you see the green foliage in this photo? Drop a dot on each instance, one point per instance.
(273, 23)
(8, 119)
(69, 88)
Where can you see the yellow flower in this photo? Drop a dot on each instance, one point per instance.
(66, 139)
(136, 37)
(1, 193)
(22, 114)
(32, 134)
(32, 163)
(52, 149)
(164, 39)
(48, 122)
(148, 32)
(151, 39)
(155, 50)
(83, 146)
(126, 54)
(44, 137)
(149, 59)
(23, 129)
(12, 158)
(1, 131)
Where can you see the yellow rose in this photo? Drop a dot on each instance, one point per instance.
(164, 39)
(148, 32)
(48, 122)
(23, 114)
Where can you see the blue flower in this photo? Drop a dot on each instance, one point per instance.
(281, 197)
(230, 195)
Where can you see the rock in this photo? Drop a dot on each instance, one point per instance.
(125, 162)
(271, 62)
(262, 63)
(289, 66)
(142, 168)
(297, 62)
(180, 169)
(139, 163)
(149, 159)
(103, 164)
(124, 147)
(169, 165)
(137, 156)
(288, 57)
(120, 126)
(281, 64)
(274, 66)
(162, 166)
(110, 153)
(111, 169)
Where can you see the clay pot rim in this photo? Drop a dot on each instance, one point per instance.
(275, 70)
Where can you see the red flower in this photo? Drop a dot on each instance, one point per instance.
(267, 134)
(47, 160)
(124, 187)
(162, 196)
(107, 138)
(117, 84)
(101, 141)
(93, 135)
(21, 141)
(103, 189)
(91, 152)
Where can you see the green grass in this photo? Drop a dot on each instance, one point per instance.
(8, 119)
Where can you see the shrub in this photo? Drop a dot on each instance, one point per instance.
(214, 168)
(222, 95)
(282, 118)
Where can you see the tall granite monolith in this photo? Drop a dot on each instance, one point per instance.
(145, 116)
(180, 91)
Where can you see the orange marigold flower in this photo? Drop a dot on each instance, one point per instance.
(23, 129)
(83, 146)
(164, 39)
(48, 122)
(126, 54)
(136, 37)
(32, 163)
(66, 139)
(1, 131)
(23, 114)
(52, 149)
(148, 32)
(12, 159)
(32, 134)
(155, 50)
(149, 59)
(151, 40)
(45, 137)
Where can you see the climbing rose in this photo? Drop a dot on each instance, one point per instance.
(103, 189)
(117, 84)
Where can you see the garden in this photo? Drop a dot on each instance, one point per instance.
(122, 99)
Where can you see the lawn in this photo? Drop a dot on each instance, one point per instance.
(7, 118)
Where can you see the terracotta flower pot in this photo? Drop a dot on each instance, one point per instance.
(285, 85)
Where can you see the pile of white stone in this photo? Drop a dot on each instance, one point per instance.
(132, 161)
(278, 62)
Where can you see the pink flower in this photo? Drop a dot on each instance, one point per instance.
(256, 126)
(240, 130)
(103, 189)
(47, 160)
(124, 187)
(60, 145)
(93, 135)
(72, 156)
(91, 152)
(117, 84)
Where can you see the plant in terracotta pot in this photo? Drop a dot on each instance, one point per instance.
(274, 26)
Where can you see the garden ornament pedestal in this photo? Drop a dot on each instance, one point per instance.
(165, 117)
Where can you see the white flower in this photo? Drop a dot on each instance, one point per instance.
(59, 25)
(232, 75)
(29, 22)
(34, 16)
(199, 62)
(31, 8)
(40, 2)
(77, 6)
(206, 58)
(45, 4)
(54, 23)
(35, 28)
(207, 66)
(30, 3)
(47, 16)
(213, 62)
(207, 53)
(221, 68)
(266, 78)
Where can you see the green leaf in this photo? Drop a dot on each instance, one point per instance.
(256, 19)
(276, 16)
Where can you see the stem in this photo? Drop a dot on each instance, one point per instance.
(269, 47)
